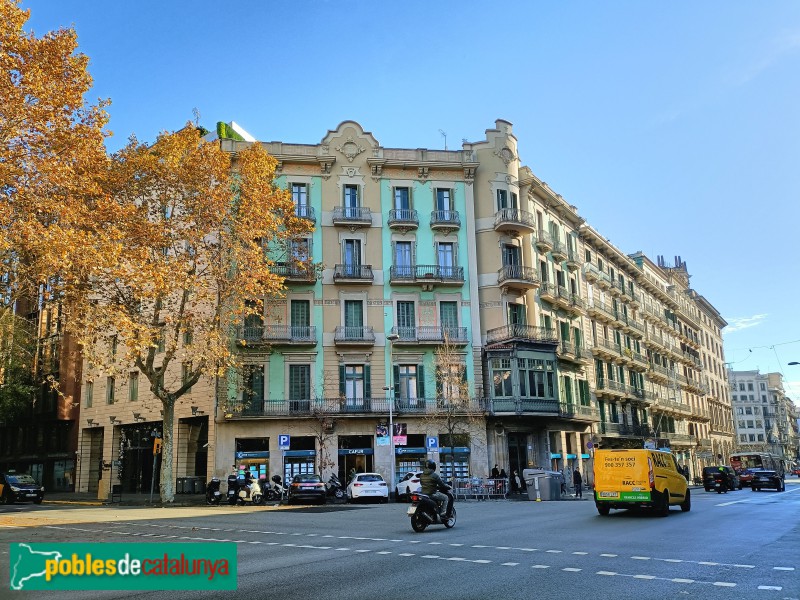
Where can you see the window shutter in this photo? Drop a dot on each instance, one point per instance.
(367, 382)
(342, 386)
(396, 379)
(439, 386)
(420, 381)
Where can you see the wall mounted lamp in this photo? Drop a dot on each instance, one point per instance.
(138, 417)
(114, 421)
(196, 412)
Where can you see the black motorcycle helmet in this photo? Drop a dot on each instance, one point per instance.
(430, 465)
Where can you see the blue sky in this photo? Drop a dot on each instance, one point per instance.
(673, 127)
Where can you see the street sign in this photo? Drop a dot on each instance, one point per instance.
(283, 442)
(432, 443)
(589, 445)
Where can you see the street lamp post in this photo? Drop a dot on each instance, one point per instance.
(391, 338)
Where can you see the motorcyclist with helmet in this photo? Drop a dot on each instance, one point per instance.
(433, 486)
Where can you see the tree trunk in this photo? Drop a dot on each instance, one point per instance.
(167, 481)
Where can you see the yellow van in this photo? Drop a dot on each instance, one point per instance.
(638, 478)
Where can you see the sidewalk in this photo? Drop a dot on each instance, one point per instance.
(90, 499)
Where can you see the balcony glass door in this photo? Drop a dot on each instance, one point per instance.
(353, 319)
(448, 314)
(406, 320)
(447, 261)
(352, 258)
(402, 259)
(300, 319)
(299, 388)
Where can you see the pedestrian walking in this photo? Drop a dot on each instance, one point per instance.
(577, 480)
(515, 483)
(495, 472)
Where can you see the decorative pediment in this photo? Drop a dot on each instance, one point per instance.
(350, 148)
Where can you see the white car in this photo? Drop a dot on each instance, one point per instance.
(366, 486)
(409, 483)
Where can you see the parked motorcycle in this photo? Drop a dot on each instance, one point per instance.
(335, 488)
(243, 490)
(213, 495)
(424, 511)
(276, 491)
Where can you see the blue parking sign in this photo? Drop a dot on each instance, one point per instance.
(432, 443)
(283, 442)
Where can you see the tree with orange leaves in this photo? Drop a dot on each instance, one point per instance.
(184, 260)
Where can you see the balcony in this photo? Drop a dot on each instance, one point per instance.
(430, 334)
(543, 242)
(403, 219)
(295, 335)
(573, 262)
(573, 353)
(608, 387)
(445, 220)
(578, 412)
(352, 216)
(346, 335)
(608, 350)
(295, 272)
(625, 429)
(321, 407)
(521, 333)
(357, 274)
(600, 310)
(518, 277)
(303, 211)
(514, 220)
(559, 252)
(519, 406)
(426, 274)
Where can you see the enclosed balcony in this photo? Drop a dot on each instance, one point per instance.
(426, 274)
(430, 334)
(514, 219)
(522, 333)
(403, 219)
(518, 277)
(356, 274)
(352, 216)
(346, 335)
(445, 220)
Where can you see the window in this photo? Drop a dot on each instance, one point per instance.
(354, 382)
(89, 394)
(748, 410)
(762, 386)
(407, 381)
(187, 338)
(502, 199)
(351, 201)
(300, 199)
(511, 256)
(300, 250)
(743, 437)
(403, 259)
(110, 383)
(741, 387)
(402, 198)
(299, 387)
(760, 437)
(253, 392)
(516, 314)
(352, 257)
(501, 377)
(444, 199)
(536, 378)
(749, 386)
(133, 386)
(750, 424)
(114, 342)
(300, 318)
(448, 317)
(186, 372)
(449, 381)
(446, 259)
(354, 319)
(406, 319)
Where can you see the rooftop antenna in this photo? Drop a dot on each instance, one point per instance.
(444, 135)
(196, 114)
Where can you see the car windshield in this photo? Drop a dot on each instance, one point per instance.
(764, 473)
(307, 479)
(370, 478)
(21, 479)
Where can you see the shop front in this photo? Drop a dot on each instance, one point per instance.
(356, 455)
(409, 459)
(454, 462)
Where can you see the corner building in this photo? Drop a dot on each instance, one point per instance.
(568, 343)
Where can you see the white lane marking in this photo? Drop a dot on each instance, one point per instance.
(430, 556)
(783, 568)
(508, 564)
(610, 555)
(434, 543)
(362, 551)
(450, 544)
(482, 562)
(478, 546)
(644, 576)
(581, 553)
(710, 564)
(572, 570)
(406, 554)
(554, 551)
(678, 580)
(384, 552)
(502, 548)
(732, 502)
(605, 573)
(724, 584)
(777, 588)
(342, 549)
(670, 560)
(540, 566)
(456, 558)
(640, 557)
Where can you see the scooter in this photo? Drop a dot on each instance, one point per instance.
(276, 491)
(242, 492)
(424, 511)
(334, 487)
(213, 495)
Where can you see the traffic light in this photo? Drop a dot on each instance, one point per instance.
(156, 446)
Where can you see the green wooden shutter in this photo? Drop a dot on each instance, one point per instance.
(342, 385)
(396, 379)
(367, 382)
(420, 381)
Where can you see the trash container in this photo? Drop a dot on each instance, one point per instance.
(543, 485)
(180, 486)
(189, 485)
(199, 486)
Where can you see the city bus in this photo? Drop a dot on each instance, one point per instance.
(744, 462)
